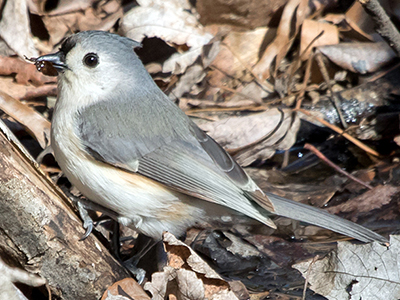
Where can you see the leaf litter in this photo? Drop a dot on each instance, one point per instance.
(239, 76)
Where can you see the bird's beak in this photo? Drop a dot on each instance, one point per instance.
(51, 64)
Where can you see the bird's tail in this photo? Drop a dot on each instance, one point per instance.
(315, 216)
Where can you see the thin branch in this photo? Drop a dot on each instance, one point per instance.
(384, 25)
(341, 132)
(334, 166)
(334, 98)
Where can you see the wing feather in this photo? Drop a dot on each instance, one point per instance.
(172, 151)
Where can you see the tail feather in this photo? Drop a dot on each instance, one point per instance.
(315, 216)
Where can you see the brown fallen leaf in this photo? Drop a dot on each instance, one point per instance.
(41, 91)
(312, 29)
(294, 12)
(126, 287)
(368, 201)
(247, 14)
(26, 73)
(362, 23)
(187, 104)
(239, 53)
(359, 57)
(186, 276)
(257, 136)
(36, 124)
(42, 7)
(74, 16)
(20, 91)
(15, 28)
(368, 271)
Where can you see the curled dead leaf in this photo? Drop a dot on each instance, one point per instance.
(356, 272)
(359, 57)
(316, 34)
(187, 276)
(173, 23)
(294, 12)
(27, 116)
(257, 136)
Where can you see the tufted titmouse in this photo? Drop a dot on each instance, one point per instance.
(126, 146)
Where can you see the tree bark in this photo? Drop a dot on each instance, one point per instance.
(40, 233)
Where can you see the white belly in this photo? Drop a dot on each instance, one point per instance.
(142, 203)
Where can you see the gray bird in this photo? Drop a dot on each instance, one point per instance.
(127, 147)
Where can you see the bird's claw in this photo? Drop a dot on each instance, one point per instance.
(139, 273)
(88, 225)
(87, 220)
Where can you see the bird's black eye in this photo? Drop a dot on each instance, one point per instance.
(91, 60)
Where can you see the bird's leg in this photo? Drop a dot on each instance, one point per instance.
(88, 223)
(83, 205)
(130, 264)
(143, 246)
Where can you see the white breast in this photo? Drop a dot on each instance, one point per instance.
(142, 203)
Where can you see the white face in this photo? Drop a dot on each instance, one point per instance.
(90, 71)
(100, 67)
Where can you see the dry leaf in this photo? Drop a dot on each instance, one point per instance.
(127, 286)
(196, 72)
(26, 73)
(27, 116)
(310, 30)
(19, 91)
(9, 276)
(366, 202)
(250, 90)
(239, 53)
(361, 22)
(257, 136)
(187, 103)
(87, 16)
(359, 57)
(60, 7)
(294, 11)
(334, 18)
(397, 140)
(170, 21)
(15, 28)
(241, 13)
(187, 276)
(368, 272)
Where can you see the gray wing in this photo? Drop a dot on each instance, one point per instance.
(159, 141)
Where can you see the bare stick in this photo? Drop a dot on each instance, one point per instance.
(308, 274)
(384, 25)
(333, 96)
(341, 132)
(334, 166)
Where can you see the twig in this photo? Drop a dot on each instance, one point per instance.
(341, 132)
(285, 161)
(308, 274)
(335, 100)
(224, 109)
(385, 26)
(307, 75)
(233, 91)
(334, 166)
(297, 62)
(266, 85)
